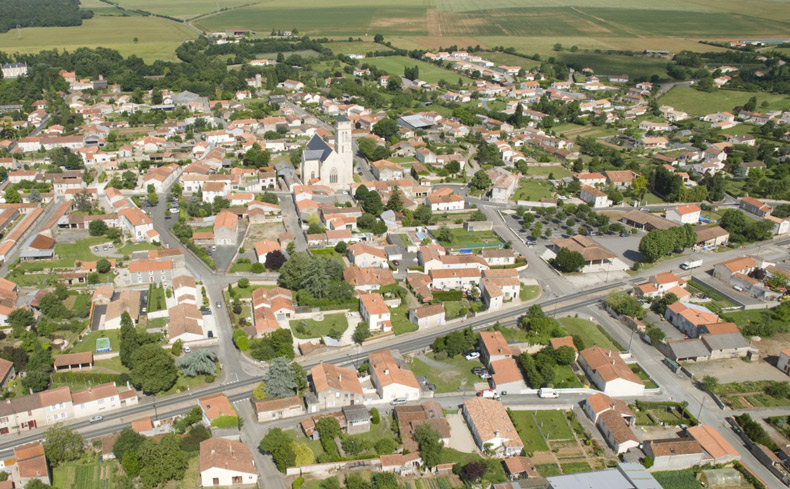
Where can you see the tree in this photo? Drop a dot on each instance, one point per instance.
(395, 203)
(36, 484)
(386, 128)
(316, 279)
(444, 235)
(568, 261)
(565, 355)
(35, 195)
(20, 318)
(341, 247)
(430, 444)
(12, 196)
(378, 38)
(480, 180)
(275, 259)
(778, 390)
(302, 454)
(131, 463)
(453, 167)
(128, 439)
(279, 379)
(244, 283)
(153, 369)
(361, 332)
(423, 214)
(103, 265)
(474, 471)
(97, 228)
(278, 444)
(163, 461)
(293, 271)
(710, 383)
(623, 303)
(198, 362)
(62, 444)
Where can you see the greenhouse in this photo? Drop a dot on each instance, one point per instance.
(720, 478)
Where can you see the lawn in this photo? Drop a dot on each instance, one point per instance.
(156, 323)
(156, 299)
(330, 253)
(495, 472)
(241, 267)
(400, 320)
(453, 309)
(700, 103)
(310, 328)
(456, 372)
(462, 237)
(565, 378)
(529, 292)
(79, 250)
(157, 37)
(549, 171)
(638, 370)
(745, 317)
(187, 383)
(394, 65)
(554, 425)
(528, 431)
(532, 190)
(130, 248)
(590, 333)
(89, 341)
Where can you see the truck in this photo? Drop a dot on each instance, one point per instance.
(488, 394)
(548, 393)
(688, 265)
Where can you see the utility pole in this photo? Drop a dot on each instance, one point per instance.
(700, 407)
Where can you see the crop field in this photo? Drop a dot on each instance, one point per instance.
(157, 38)
(700, 103)
(356, 47)
(394, 65)
(182, 9)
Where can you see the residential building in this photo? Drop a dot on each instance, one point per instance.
(673, 453)
(689, 318)
(333, 386)
(506, 376)
(31, 463)
(375, 311)
(493, 347)
(616, 432)
(366, 279)
(225, 228)
(491, 427)
(609, 372)
(95, 400)
(594, 197)
(597, 404)
(392, 378)
(409, 418)
(271, 409)
(754, 206)
(7, 372)
(226, 463)
(710, 237)
(214, 406)
(717, 449)
(427, 316)
(364, 255)
(783, 363)
(684, 214)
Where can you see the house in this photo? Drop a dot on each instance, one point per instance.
(594, 197)
(73, 361)
(616, 431)
(455, 279)
(520, 467)
(710, 237)
(491, 427)
(493, 347)
(495, 256)
(214, 406)
(441, 201)
(597, 404)
(375, 311)
(506, 376)
(149, 271)
(591, 179)
(95, 400)
(427, 316)
(386, 170)
(185, 323)
(754, 206)
(368, 278)
(225, 228)
(609, 372)
(364, 255)
(744, 265)
(128, 301)
(270, 409)
(357, 419)
(620, 179)
(689, 318)
(225, 463)
(783, 363)
(392, 378)
(31, 463)
(717, 449)
(7, 373)
(264, 247)
(684, 214)
(402, 465)
(727, 345)
(138, 224)
(333, 386)
(596, 257)
(661, 284)
(409, 418)
(673, 453)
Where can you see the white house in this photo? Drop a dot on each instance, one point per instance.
(684, 214)
(594, 197)
(491, 426)
(783, 363)
(225, 463)
(392, 378)
(375, 312)
(609, 372)
(427, 316)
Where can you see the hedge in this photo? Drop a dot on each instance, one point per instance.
(297, 483)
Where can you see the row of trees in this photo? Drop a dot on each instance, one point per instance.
(661, 242)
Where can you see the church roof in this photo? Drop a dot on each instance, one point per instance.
(317, 149)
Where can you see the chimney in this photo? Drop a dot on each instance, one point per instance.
(613, 361)
(339, 377)
(496, 433)
(212, 451)
(610, 353)
(386, 371)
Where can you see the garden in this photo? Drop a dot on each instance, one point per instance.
(332, 325)
(666, 413)
(448, 374)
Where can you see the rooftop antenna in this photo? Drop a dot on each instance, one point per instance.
(18, 31)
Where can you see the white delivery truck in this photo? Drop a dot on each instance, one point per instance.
(548, 393)
(688, 265)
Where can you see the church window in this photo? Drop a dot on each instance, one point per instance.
(333, 176)
(312, 175)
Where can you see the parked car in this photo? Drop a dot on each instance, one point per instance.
(104, 248)
(396, 402)
(396, 262)
(479, 370)
(485, 375)
(96, 249)
(187, 349)
(472, 355)
(96, 419)
(219, 304)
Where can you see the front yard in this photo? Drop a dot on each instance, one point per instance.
(449, 375)
(333, 325)
(532, 190)
(461, 237)
(590, 333)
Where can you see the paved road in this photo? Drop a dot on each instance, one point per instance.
(292, 222)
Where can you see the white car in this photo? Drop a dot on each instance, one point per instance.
(396, 402)
(472, 355)
(96, 419)
(187, 349)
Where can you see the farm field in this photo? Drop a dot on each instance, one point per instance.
(356, 47)
(179, 8)
(394, 65)
(700, 103)
(157, 38)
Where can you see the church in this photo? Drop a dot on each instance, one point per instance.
(331, 166)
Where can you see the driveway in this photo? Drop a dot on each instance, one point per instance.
(460, 436)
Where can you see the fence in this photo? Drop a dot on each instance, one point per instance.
(327, 468)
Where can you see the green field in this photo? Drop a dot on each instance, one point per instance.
(554, 425)
(356, 47)
(157, 38)
(528, 431)
(78, 475)
(532, 190)
(455, 372)
(529, 292)
(89, 341)
(316, 329)
(180, 8)
(589, 332)
(394, 65)
(700, 103)
(461, 237)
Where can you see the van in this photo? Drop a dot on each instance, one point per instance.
(548, 393)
